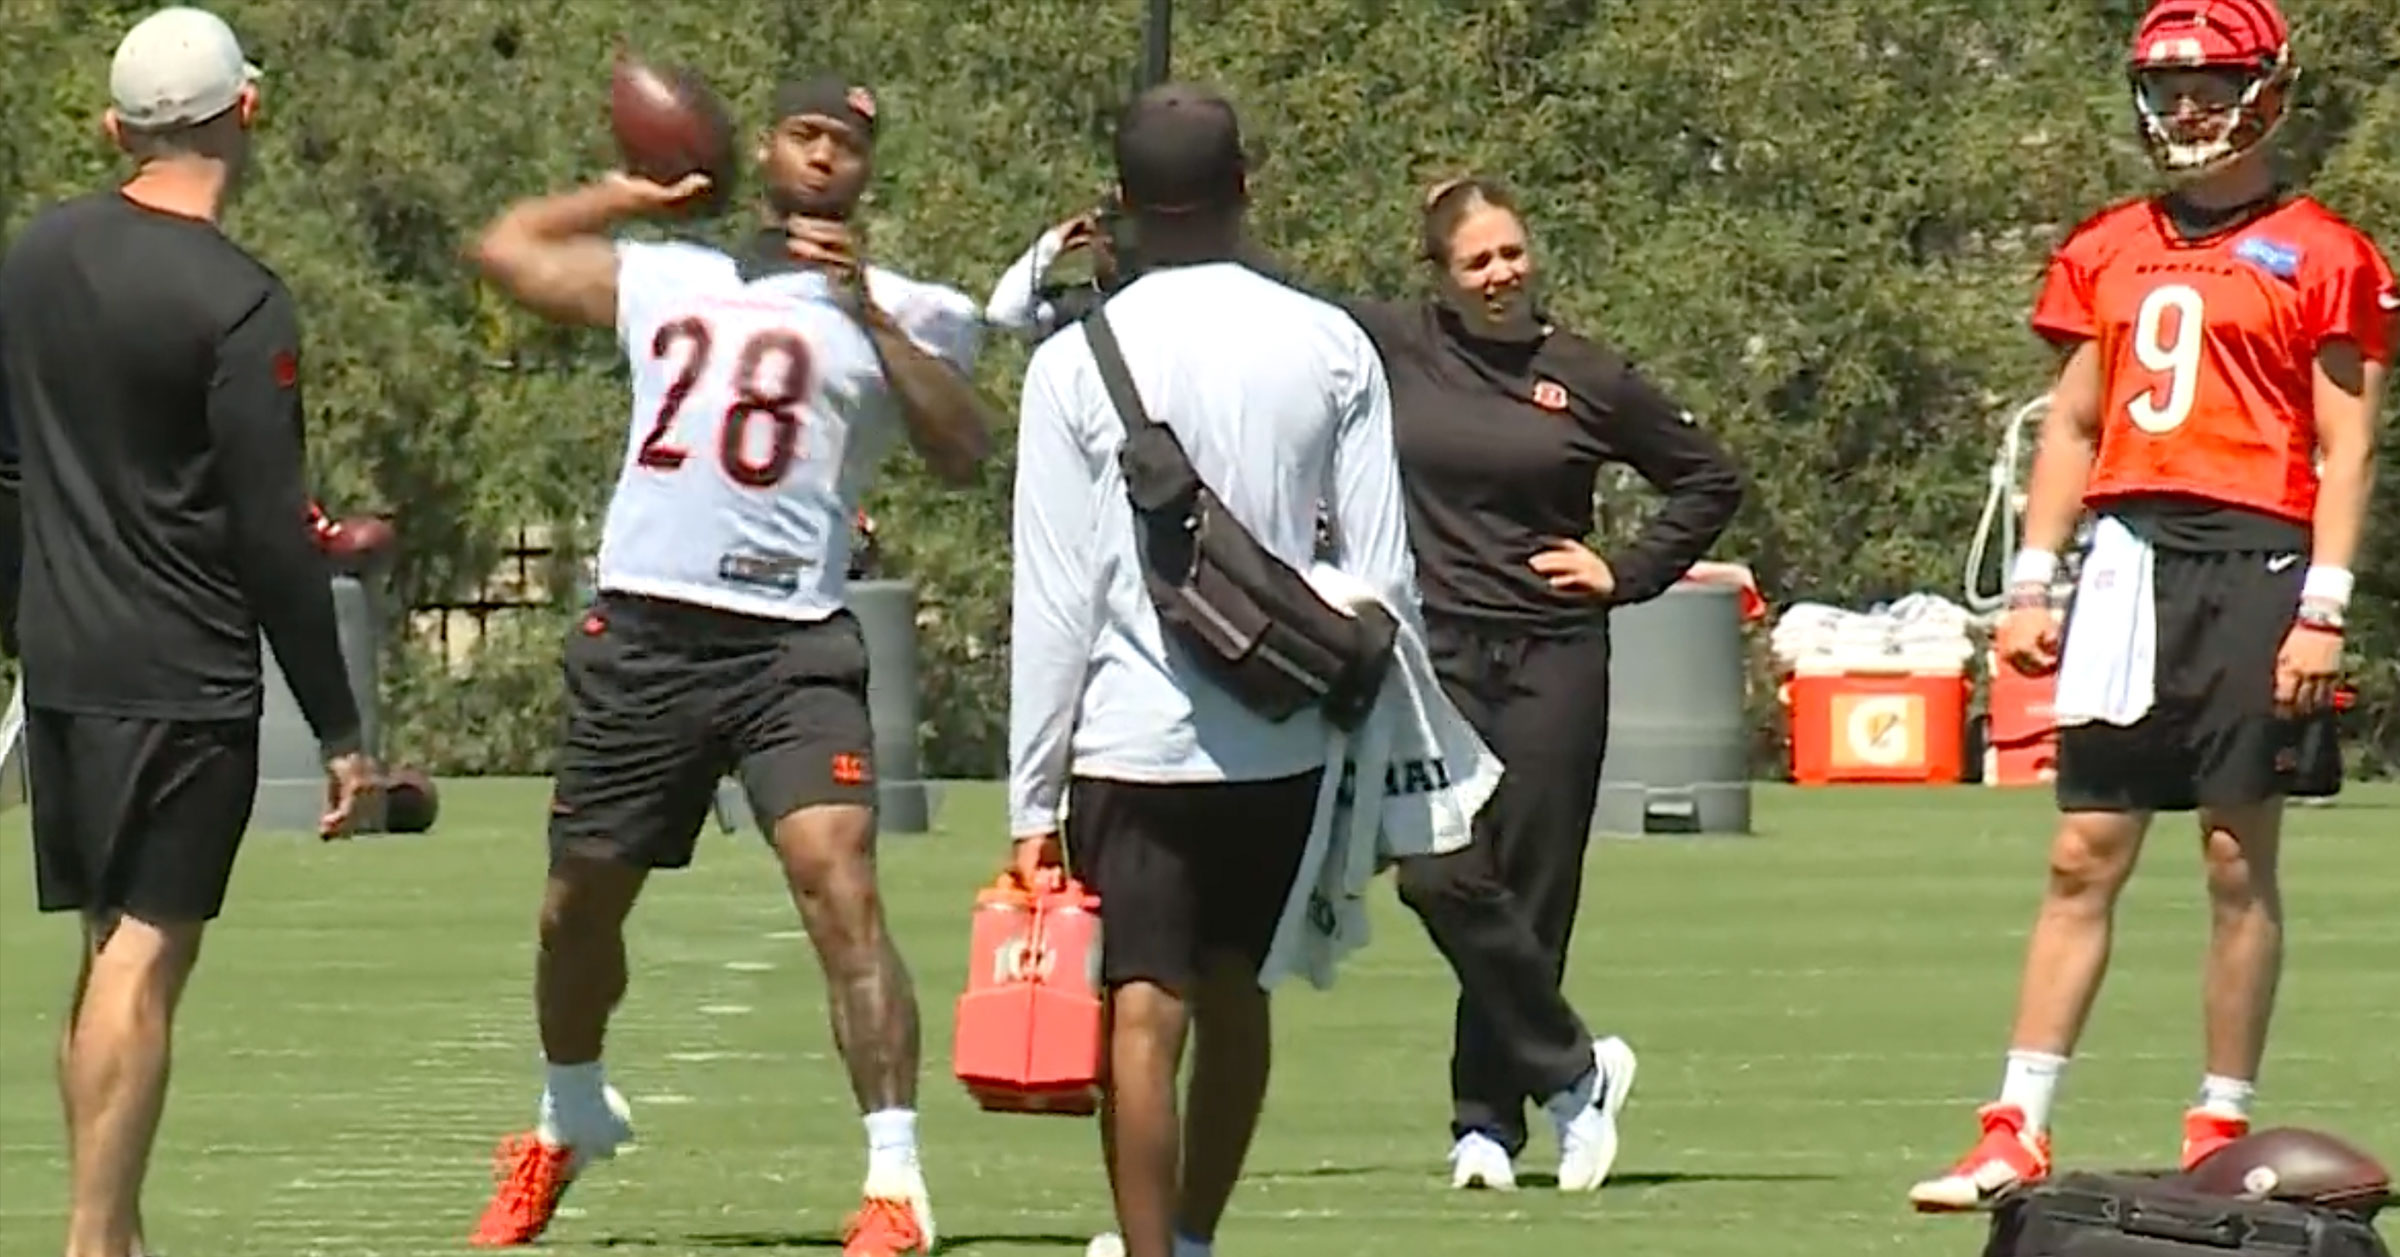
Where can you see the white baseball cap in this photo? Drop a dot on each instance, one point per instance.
(176, 67)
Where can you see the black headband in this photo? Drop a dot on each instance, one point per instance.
(828, 96)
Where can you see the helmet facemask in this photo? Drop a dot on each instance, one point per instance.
(2199, 119)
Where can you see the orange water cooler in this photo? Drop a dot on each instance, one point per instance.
(1878, 719)
(1028, 1034)
(2021, 742)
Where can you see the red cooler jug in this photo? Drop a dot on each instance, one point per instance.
(1028, 1033)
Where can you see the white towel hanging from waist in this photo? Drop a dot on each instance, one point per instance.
(2108, 666)
(1408, 781)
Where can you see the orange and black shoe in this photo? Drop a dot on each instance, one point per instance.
(2205, 1132)
(535, 1168)
(2007, 1157)
(532, 1176)
(884, 1227)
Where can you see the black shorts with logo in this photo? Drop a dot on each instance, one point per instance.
(665, 698)
(2212, 738)
(1187, 871)
(134, 815)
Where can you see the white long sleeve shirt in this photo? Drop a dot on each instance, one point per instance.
(1016, 303)
(1281, 402)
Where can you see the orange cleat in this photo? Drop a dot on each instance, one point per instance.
(884, 1228)
(532, 1177)
(2205, 1132)
(2007, 1157)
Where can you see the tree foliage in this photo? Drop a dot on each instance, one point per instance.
(1820, 224)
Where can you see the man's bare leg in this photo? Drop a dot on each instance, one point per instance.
(2066, 959)
(1138, 1130)
(2091, 857)
(115, 1073)
(579, 973)
(92, 931)
(579, 978)
(2241, 848)
(1232, 1053)
(828, 855)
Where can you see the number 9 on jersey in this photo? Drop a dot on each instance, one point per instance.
(2169, 331)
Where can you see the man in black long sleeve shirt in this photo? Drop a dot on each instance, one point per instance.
(150, 449)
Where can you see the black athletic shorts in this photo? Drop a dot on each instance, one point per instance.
(665, 698)
(136, 815)
(2212, 739)
(1186, 870)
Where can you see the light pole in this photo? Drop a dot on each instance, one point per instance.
(1158, 41)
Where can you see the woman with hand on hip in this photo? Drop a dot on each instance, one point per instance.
(1503, 421)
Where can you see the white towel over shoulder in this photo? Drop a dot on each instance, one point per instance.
(2108, 666)
(1408, 781)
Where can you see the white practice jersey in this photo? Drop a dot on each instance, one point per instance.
(760, 412)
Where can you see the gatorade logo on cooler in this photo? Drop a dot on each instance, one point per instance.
(1881, 729)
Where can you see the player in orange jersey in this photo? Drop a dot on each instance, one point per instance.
(2225, 345)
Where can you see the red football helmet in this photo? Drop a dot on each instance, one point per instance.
(2210, 79)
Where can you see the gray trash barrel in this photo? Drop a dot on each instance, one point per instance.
(887, 614)
(887, 617)
(1679, 736)
(291, 770)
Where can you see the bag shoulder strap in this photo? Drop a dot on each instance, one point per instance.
(1113, 374)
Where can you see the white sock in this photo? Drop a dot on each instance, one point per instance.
(574, 1104)
(891, 1143)
(1186, 1246)
(2227, 1097)
(2031, 1083)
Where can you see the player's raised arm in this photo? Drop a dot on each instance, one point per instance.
(948, 421)
(552, 254)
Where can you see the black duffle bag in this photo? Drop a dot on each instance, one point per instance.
(2085, 1214)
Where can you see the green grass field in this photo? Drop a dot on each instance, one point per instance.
(1818, 1008)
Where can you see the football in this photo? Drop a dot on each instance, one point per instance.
(2287, 1163)
(410, 801)
(669, 124)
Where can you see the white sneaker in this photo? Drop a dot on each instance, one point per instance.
(1478, 1160)
(1587, 1140)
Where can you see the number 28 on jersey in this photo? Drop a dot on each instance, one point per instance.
(760, 408)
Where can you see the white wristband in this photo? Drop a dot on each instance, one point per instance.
(2327, 584)
(2033, 567)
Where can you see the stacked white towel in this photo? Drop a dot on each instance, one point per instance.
(1919, 627)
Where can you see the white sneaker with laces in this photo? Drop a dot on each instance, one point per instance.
(1587, 1136)
(1479, 1161)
